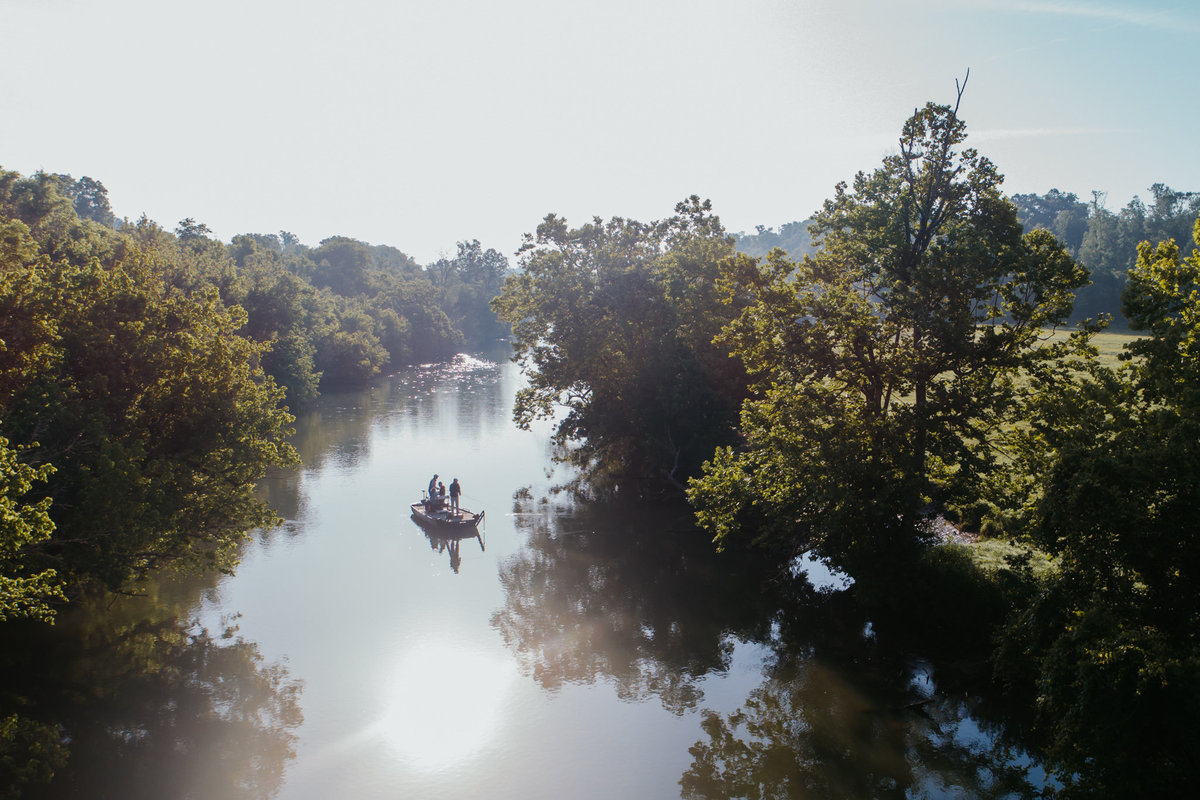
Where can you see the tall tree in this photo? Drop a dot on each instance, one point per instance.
(884, 363)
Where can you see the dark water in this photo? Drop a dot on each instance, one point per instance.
(565, 652)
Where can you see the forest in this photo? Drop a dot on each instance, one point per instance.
(921, 352)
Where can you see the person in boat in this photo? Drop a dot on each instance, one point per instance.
(441, 499)
(455, 491)
(431, 498)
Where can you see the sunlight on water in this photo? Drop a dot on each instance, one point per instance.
(446, 703)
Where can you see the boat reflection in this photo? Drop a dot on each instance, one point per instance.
(449, 541)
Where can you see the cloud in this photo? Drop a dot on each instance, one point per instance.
(1172, 18)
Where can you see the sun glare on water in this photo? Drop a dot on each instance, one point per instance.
(446, 702)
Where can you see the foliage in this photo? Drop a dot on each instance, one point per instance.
(23, 594)
(468, 282)
(1112, 640)
(155, 414)
(613, 325)
(1106, 242)
(883, 364)
(337, 315)
(150, 406)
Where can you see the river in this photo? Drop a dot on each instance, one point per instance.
(565, 652)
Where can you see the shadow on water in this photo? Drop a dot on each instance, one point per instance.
(149, 704)
(838, 709)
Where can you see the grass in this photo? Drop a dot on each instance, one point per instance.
(1110, 344)
(989, 556)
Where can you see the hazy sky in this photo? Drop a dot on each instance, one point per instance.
(419, 124)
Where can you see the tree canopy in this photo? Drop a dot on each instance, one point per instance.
(613, 325)
(882, 364)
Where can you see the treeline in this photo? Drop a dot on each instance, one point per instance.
(336, 315)
(145, 381)
(906, 370)
(1104, 242)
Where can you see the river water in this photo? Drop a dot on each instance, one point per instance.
(565, 652)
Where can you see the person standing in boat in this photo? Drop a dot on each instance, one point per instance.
(455, 491)
(431, 501)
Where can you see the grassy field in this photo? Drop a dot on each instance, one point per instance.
(1110, 344)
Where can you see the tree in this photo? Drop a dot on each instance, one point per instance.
(884, 364)
(91, 201)
(189, 230)
(613, 324)
(1060, 213)
(23, 593)
(1111, 641)
(153, 410)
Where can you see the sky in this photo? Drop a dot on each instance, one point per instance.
(422, 124)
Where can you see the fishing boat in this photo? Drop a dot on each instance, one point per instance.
(444, 521)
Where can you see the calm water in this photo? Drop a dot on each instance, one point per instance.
(563, 653)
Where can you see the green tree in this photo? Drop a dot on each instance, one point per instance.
(343, 265)
(153, 410)
(1111, 640)
(189, 230)
(884, 364)
(23, 593)
(469, 281)
(613, 324)
(1061, 213)
(793, 238)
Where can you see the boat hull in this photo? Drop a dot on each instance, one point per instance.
(443, 521)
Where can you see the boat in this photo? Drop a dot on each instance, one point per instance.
(446, 522)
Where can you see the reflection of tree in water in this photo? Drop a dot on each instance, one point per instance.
(647, 606)
(640, 600)
(150, 706)
(848, 730)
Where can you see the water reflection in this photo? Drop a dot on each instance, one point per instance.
(808, 731)
(841, 708)
(451, 544)
(154, 705)
(639, 600)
